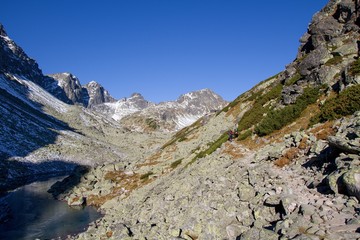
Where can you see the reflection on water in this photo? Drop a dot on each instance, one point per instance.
(35, 215)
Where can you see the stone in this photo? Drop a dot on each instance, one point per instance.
(351, 181)
(307, 210)
(246, 192)
(75, 200)
(234, 230)
(259, 234)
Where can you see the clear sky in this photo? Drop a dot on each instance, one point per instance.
(161, 48)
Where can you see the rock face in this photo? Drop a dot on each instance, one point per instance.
(35, 133)
(94, 94)
(67, 87)
(70, 85)
(327, 48)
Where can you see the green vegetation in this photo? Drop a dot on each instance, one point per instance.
(244, 135)
(146, 176)
(230, 105)
(276, 119)
(250, 98)
(212, 147)
(183, 133)
(151, 123)
(355, 68)
(345, 103)
(293, 80)
(255, 114)
(335, 60)
(176, 163)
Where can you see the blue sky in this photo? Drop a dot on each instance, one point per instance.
(161, 48)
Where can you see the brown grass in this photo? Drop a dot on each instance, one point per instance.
(235, 110)
(323, 131)
(232, 150)
(145, 164)
(109, 234)
(124, 184)
(281, 162)
(290, 155)
(303, 143)
(154, 157)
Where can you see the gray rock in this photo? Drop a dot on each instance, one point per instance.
(351, 181)
(234, 230)
(344, 145)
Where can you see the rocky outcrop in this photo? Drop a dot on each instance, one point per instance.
(95, 94)
(13, 60)
(67, 87)
(327, 49)
(65, 83)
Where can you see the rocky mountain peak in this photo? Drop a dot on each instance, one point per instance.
(204, 95)
(138, 101)
(2, 30)
(137, 95)
(15, 61)
(95, 94)
(67, 84)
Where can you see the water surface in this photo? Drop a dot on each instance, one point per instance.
(36, 215)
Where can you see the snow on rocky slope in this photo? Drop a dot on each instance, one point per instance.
(174, 115)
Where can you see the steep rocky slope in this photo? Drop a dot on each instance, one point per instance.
(292, 173)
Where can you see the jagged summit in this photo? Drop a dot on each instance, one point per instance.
(95, 94)
(71, 86)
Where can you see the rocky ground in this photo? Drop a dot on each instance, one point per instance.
(303, 187)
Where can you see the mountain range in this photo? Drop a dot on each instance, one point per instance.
(38, 110)
(170, 171)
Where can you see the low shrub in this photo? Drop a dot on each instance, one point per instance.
(335, 60)
(245, 135)
(276, 119)
(176, 163)
(345, 103)
(355, 68)
(293, 80)
(256, 113)
(146, 176)
(212, 147)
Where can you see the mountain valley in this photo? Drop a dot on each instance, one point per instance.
(169, 170)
